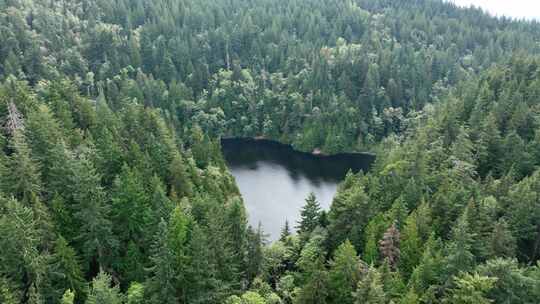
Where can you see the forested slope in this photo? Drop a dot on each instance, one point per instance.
(282, 69)
(113, 188)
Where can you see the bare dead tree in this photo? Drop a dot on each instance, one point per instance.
(14, 120)
(389, 246)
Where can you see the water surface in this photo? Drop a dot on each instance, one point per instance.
(274, 179)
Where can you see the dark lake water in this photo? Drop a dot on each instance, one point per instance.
(274, 179)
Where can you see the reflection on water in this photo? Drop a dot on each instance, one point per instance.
(274, 179)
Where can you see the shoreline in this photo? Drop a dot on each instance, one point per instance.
(316, 152)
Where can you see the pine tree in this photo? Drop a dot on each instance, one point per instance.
(203, 286)
(285, 232)
(344, 274)
(161, 285)
(129, 204)
(314, 274)
(459, 256)
(429, 272)
(501, 241)
(8, 294)
(309, 216)
(102, 292)
(254, 256)
(471, 289)
(161, 207)
(411, 245)
(68, 297)
(21, 177)
(66, 269)
(236, 222)
(135, 294)
(94, 228)
(178, 178)
(393, 284)
(21, 260)
(372, 234)
(370, 289)
(43, 133)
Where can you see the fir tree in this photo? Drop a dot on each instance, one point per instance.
(309, 216)
(285, 232)
(102, 292)
(370, 289)
(344, 274)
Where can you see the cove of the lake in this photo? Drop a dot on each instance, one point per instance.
(274, 179)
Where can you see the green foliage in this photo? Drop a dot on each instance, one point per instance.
(135, 293)
(309, 216)
(101, 291)
(370, 288)
(471, 289)
(21, 177)
(67, 270)
(68, 297)
(513, 284)
(112, 111)
(344, 274)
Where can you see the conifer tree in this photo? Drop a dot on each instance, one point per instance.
(178, 179)
(471, 289)
(102, 291)
(459, 256)
(21, 175)
(66, 270)
(309, 216)
(411, 245)
(129, 204)
(254, 254)
(285, 232)
(344, 274)
(94, 228)
(68, 297)
(501, 241)
(370, 288)
(161, 286)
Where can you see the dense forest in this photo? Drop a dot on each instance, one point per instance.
(113, 188)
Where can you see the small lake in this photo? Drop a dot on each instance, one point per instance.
(274, 179)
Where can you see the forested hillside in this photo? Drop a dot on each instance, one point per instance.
(285, 70)
(113, 188)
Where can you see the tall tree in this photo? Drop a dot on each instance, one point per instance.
(370, 289)
(102, 291)
(309, 216)
(344, 274)
(21, 176)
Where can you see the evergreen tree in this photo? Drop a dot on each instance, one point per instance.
(344, 274)
(411, 245)
(471, 289)
(68, 297)
(285, 232)
(459, 256)
(129, 204)
(178, 179)
(67, 271)
(102, 292)
(254, 255)
(161, 285)
(370, 289)
(21, 175)
(309, 216)
(501, 241)
(94, 228)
